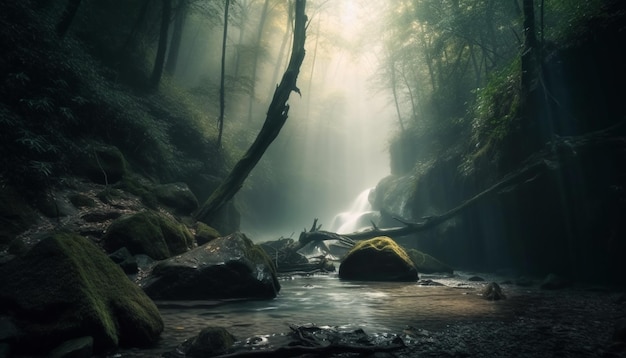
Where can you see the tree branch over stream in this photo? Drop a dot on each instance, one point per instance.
(277, 114)
(557, 153)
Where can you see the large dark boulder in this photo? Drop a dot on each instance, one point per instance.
(377, 259)
(64, 288)
(150, 233)
(226, 267)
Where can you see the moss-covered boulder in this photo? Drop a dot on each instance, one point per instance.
(102, 164)
(64, 288)
(227, 267)
(150, 233)
(377, 259)
(425, 263)
(177, 196)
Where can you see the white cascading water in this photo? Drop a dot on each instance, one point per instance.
(358, 217)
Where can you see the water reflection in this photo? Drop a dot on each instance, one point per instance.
(377, 307)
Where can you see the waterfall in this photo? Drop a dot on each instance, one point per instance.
(359, 216)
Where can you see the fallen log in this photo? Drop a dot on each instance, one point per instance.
(557, 153)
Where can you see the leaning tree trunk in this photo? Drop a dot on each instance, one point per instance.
(554, 156)
(276, 116)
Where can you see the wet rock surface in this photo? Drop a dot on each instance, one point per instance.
(227, 267)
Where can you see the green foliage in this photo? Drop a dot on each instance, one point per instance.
(565, 19)
(56, 94)
(494, 112)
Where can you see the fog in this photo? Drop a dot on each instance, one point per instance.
(334, 144)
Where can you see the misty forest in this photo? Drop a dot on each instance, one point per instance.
(321, 178)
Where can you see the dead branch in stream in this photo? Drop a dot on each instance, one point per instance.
(559, 152)
(307, 342)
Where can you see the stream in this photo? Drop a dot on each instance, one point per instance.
(379, 308)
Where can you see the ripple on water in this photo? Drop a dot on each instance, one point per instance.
(377, 307)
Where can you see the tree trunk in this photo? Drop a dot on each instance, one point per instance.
(68, 15)
(220, 121)
(177, 36)
(159, 61)
(529, 136)
(276, 116)
(255, 61)
(394, 91)
(124, 49)
(283, 45)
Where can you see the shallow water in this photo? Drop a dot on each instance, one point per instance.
(325, 300)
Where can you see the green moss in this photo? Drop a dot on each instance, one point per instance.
(87, 294)
(381, 243)
(149, 233)
(205, 233)
(134, 185)
(377, 259)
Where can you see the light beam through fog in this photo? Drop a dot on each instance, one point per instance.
(339, 142)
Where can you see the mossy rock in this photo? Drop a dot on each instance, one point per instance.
(64, 288)
(103, 164)
(227, 267)
(205, 233)
(150, 233)
(209, 342)
(425, 263)
(377, 259)
(177, 196)
(80, 200)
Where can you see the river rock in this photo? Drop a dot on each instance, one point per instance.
(209, 342)
(378, 259)
(150, 233)
(425, 263)
(227, 267)
(64, 288)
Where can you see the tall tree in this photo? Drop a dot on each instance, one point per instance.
(157, 70)
(177, 36)
(275, 119)
(220, 120)
(67, 17)
(529, 96)
(257, 50)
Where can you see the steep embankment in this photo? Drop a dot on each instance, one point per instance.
(568, 220)
(66, 116)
